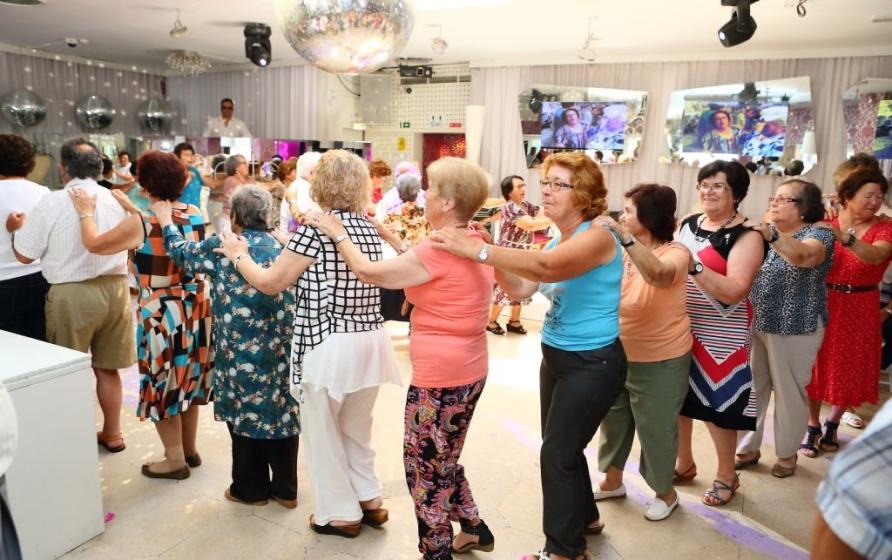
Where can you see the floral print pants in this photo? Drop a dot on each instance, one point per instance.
(437, 422)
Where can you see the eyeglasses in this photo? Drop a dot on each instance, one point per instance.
(716, 187)
(783, 199)
(554, 186)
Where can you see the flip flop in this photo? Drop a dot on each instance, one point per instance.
(102, 440)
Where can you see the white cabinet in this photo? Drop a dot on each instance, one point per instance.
(53, 483)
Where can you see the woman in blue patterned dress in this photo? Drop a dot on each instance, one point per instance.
(252, 332)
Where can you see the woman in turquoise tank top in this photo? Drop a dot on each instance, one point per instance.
(583, 363)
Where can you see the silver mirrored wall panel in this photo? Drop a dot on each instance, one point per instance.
(867, 107)
(560, 118)
(770, 123)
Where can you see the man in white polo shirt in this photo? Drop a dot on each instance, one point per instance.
(226, 125)
(88, 305)
(22, 286)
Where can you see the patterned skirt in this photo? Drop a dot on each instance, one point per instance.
(174, 349)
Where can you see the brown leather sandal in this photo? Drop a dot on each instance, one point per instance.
(103, 440)
(686, 476)
(347, 531)
(515, 327)
(495, 328)
(375, 517)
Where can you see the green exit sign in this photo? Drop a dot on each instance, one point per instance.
(405, 124)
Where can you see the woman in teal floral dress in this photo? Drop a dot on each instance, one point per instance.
(252, 332)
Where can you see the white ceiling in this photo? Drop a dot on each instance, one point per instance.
(498, 32)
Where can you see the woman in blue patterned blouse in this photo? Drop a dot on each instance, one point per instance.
(790, 310)
(252, 332)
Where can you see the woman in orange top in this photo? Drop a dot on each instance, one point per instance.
(656, 333)
(447, 347)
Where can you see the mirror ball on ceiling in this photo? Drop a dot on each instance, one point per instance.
(23, 108)
(346, 36)
(94, 112)
(154, 115)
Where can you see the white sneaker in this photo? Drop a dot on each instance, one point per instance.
(608, 494)
(659, 511)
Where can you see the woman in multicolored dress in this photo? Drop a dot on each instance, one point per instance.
(520, 218)
(252, 335)
(173, 332)
(725, 256)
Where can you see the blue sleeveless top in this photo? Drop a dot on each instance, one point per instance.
(584, 312)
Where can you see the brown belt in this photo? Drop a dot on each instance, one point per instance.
(852, 288)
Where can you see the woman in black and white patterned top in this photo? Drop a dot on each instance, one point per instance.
(340, 353)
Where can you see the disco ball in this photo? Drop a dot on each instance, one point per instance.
(346, 36)
(94, 112)
(154, 115)
(23, 108)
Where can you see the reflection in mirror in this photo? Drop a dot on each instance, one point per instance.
(607, 123)
(768, 126)
(867, 107)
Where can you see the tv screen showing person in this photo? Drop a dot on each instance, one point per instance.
(583, 126)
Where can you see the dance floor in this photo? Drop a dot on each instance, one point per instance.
(190, 519)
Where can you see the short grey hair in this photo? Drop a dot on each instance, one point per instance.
(251, 206)
(232, 162)
(81, 159)
(408, 185)
(307, 162)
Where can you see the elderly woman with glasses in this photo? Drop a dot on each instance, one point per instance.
(790, 310)
(219, 208)
(848, 367)
(725, 256)
(583, 365)
(252, 332)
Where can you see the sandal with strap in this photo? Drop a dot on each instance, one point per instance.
(104, 440)
(686, 476)
(543, 555)
(828, 442)
(485, 542)
(852, 419)
(515, 327)
(713, 498)
(808, 448)
(495, 328)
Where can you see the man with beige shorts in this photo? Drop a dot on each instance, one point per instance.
(88, 304)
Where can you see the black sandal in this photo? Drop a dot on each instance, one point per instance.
(495, 328)
(515, 327)
(808, 448)
(486, 542)
(828, 443)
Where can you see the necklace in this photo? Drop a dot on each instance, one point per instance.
(701, 238)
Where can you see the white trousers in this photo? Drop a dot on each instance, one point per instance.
(783, 364)
(337, 438)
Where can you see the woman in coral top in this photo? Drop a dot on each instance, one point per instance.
(448, 352)
(847, 370)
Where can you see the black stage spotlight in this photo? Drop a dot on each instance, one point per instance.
(741, 27)
(257, 46)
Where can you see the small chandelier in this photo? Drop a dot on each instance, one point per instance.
(188, 63)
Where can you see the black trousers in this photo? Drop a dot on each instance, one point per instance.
(576, 390)
(21, 305)
(252, 461)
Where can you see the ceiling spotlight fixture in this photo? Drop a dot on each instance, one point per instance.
(800, 8)
(438, 43)
(178, 29)
(587, 52)
(741, 27)
(257, 45)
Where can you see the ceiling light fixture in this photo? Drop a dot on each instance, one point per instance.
(800, 8)
(187, 63)
(438, 43)
(587, 52)
(741, 27)
(258, 48)
(178, 29)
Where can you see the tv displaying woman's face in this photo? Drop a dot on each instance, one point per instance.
(721, 121)
(571, 117)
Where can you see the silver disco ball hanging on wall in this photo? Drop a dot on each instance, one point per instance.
(94, 112)
(23, 108)
(347, 36)
(154, 115)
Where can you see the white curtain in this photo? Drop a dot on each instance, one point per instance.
(497, 89)
(284, 102)
(61, 84)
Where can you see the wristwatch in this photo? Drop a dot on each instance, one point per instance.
(774, 233)
(338, 239)
(629, 243)
(851, 240)
(483, 255)
(698, 268)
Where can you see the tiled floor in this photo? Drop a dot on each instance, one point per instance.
(769, 517)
